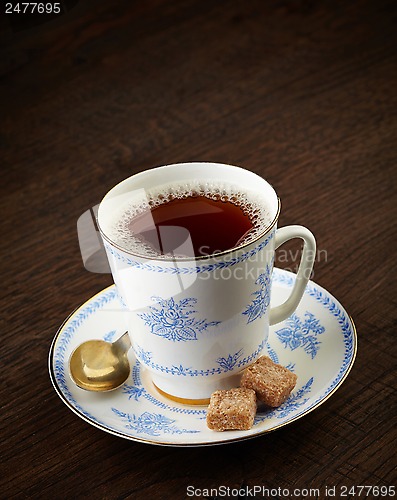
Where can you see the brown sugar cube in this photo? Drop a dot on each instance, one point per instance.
(272, 383)
(232, 409)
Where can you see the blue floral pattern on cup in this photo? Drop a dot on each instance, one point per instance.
(224, 363)
(230, 362)
(260, 303)
(195, 269)
(174, 321)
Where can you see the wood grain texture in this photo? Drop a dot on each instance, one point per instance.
(301, 92)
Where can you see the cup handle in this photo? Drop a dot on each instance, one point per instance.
(284, 234)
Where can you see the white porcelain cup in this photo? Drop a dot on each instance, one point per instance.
(196, 323)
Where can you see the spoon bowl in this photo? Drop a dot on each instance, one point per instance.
(99, 366)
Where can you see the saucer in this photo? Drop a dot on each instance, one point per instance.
(318, 342)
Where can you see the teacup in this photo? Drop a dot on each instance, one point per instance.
(196, 322)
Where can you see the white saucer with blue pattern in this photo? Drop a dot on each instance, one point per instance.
(318, 342)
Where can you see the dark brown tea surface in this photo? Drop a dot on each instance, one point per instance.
(195, 225)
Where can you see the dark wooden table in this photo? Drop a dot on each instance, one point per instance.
(300, 92)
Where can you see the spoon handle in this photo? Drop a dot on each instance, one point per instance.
(124, 342)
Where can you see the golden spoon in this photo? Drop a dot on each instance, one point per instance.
(97, 365)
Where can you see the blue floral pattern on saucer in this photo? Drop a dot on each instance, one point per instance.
(300, 333)
(152, 424)
(318, 343)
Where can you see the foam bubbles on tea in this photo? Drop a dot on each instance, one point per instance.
(190, 219)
